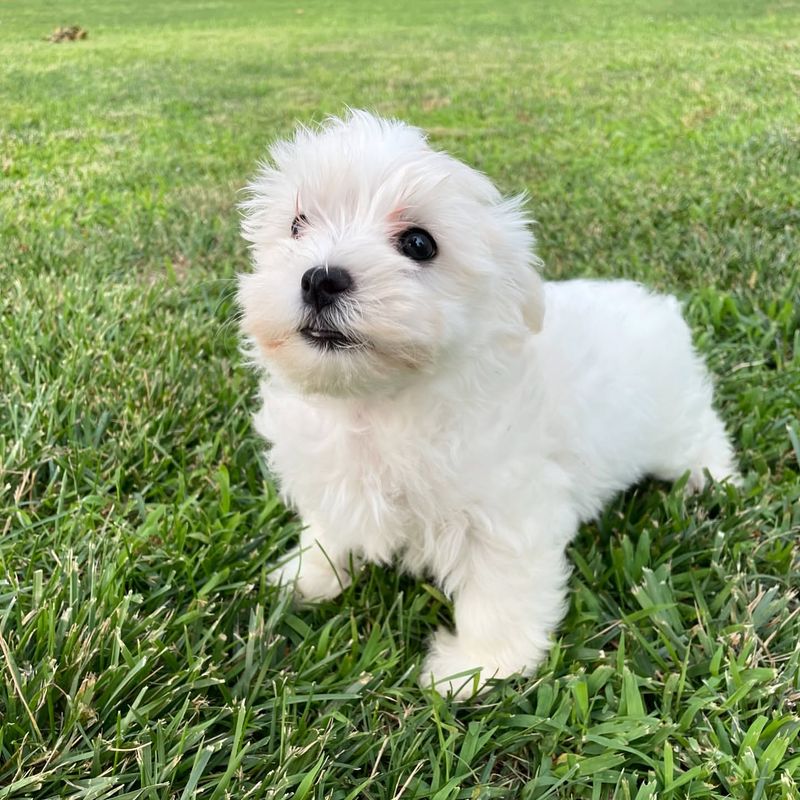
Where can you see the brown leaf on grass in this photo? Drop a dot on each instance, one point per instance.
(70, 33)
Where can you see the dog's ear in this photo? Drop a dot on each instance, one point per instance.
(532, 299)
(508, 233)
(513, 245)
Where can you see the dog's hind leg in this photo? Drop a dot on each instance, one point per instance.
(707, 451)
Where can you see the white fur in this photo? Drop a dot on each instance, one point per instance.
(472, 434)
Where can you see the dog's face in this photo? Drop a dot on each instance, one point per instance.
(378, 261)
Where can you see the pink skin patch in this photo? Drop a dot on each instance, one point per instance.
(396, 221)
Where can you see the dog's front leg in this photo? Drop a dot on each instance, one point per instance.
(507, 603)
(318, 568)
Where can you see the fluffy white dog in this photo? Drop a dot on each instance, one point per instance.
(429, 400)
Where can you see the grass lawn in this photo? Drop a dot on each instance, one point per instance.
(142, 654)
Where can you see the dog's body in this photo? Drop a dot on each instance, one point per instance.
(453, 425)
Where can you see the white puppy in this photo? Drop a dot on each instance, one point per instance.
(430, 401)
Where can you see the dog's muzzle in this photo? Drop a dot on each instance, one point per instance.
(323, 289)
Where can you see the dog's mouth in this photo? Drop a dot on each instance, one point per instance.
(329, 338)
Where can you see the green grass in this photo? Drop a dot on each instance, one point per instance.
(142, 654)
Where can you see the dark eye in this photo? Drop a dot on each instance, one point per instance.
(298, 223)
(416, 244)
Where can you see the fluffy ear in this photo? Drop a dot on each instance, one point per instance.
(513, 247)
(533, 300)
(508, 233)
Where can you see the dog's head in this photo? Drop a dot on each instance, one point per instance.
(379, 261)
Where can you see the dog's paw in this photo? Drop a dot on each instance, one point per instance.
(451, 669)
(284, 573)
(309, 574)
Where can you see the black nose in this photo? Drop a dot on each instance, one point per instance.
(322, 285)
